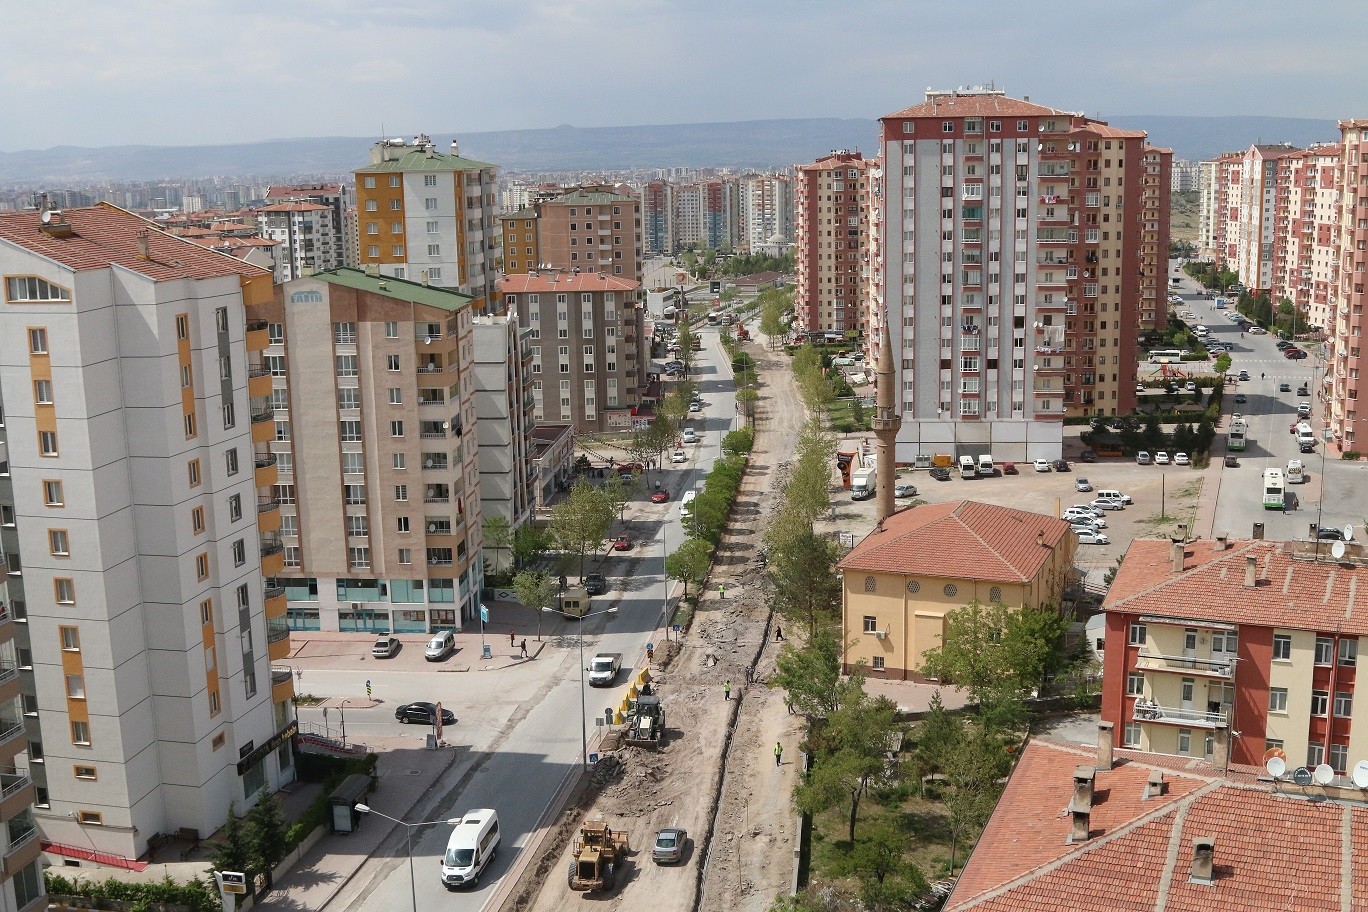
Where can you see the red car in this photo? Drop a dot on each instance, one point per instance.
(660, 496)
(622, 543)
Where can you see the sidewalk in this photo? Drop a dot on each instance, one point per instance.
(914, 696)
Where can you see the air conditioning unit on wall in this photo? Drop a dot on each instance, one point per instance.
(880, 634)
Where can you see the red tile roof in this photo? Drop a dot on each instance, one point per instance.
(103, 235)
(291, 191)
(1272, 850)
(295, 207)
(961, 539)
(990, 105)
(1297, 593)
(1106, 130)
(566, 282)
(843, 159)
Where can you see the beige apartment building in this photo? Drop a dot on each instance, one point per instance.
(504, 406)
(593, 228)
(367, 410)
(588, 347)
(831, 227)
(144, 531)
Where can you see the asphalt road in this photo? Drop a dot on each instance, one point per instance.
(535, 704)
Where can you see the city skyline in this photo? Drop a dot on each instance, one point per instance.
(97, 76)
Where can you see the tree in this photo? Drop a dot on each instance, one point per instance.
(937, 734)
(746, 398)
(234, 850)
(643, 447)
(970, 789)
(579, 523)
(887, 880)
(685, 337)
(498, 536)
(689, 563)
(801, 569)
(537, 590)
(811, 674)
(529, 544)
(266, 835)
(852, 750)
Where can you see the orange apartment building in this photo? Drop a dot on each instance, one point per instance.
(591, 229)
(831, 229)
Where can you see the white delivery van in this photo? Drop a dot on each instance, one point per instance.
(1112, 494)
(471, 847)
(686, 504)
(1305, 435)
(985, 465)
(968, 468)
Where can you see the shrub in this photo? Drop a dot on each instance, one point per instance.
(1350, 455)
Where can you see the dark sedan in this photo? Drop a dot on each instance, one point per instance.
(422, 713)
(940, 474)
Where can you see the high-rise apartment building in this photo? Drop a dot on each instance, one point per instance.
(305, 242)
(766, 210)
(590, 229)
(1208, 184)
(504, 406)
(1305, 267)
(367, 415)
(1345, 361)
(708, 213)
(1022, 249)
(660, 229)
(1256, 223)
(340, 201)
(588, 349)
(831, 233)
(146, 526)
(429, 217)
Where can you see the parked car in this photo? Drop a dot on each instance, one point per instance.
(660, 496)
(1244, 375)
(1161, 458)
(1060, 465)
(1042, 465)
(1092, 538)
(1257, 331)
(385, 647)
(1079, 518)
(669, 846)
(1304, 409)
(678, 456)
(940, 473)
(905, 490)
(1087, 456)
(1009, 468)
(1330, 534)
(1284, 387)
(595, 584)
(1087, 508)
(423, 714)
(1283, 345)
(1078, 527)
(440, 646)
(1241, 399)
(622, 543)
(1181, 459)
(1104, 504)
(1143, 458)
(1303, 390)
(1081, 485)
(1232, 462)
(689, 436)
(696, 406)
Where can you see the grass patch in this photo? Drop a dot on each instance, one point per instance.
(844, 415)
(923, 821)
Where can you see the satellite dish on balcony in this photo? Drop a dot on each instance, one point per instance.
(1323, 774)
(1276, 766)
(1337, 550)
(432, 527)
(428, 340)
(1360, 774)
(1349, 532)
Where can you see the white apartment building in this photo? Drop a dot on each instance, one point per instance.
(146, 537)
(504, 406)
(708, 213)
(1209, 186)
(766, 210)
(368, 418)
(305, 240)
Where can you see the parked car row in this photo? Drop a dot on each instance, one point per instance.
(1162, 458)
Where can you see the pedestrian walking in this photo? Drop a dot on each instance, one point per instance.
(778, 633)
(512, 639)
(722, 589)
(778, 753)
(726, 690)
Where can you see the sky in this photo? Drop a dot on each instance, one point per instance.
(196, 72)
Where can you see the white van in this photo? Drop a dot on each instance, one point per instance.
(1111, 494)
(1305, 434)
(686, 504)
(985, 465)
(471, 847)
(968, 468)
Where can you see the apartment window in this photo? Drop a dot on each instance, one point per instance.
(230, 461)
(346, 365)
(214, 703)
(80, 734)
(1277, 699)
(396, 396)
(1282, 647)
(229, 416)
(206, 612)
(400, 461)
(358, 526)
(52, 493)
(430, 203)
(235, 508)
(355, 493)
(1185, 741)
(84, 772)
(64, 591)
(42, 392)
(358, 558)
(433, 227)
(38, 340)
(1348, 652)
(434, 249)
(197, 520)
(201, 567)
(47, 440)
(1325, 651)
(371, 205)
(372, 251)
(182, 326)
(401, 523)
(239, 553)
(396, 429)
(350, 431)
(282, 435)
(1320, 702)
(391, 329)
(429, 180)
(353, 463)
(405, 555)
(75, 687)
(1137, 634)
(1135, 684)
(71, 639)
(348, 397)
(392, 362)
(275, 364)
(1315, 754)
(275, 333)
(1344, 703)
(401, 493)
(292, 558)
(284, 493)
(1130, 735)
(871, 623)
(185, 379)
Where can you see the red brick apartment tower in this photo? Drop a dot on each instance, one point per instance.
(1345, 358)
(831, 225)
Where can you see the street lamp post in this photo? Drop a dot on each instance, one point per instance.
(584, 714)
(408, 840)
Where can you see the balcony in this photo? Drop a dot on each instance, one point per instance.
(272, 591)
(1147, 711)
(270, 545)
(267, 504)
(12, 738)
(265, 415)
(282, 685)
(15, 792)
(1224, 669)
(264, 460)
(257, 335)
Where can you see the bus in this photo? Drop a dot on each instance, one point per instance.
(1165, 356)
(1235, 439)
(1273, 489)
(714, 317)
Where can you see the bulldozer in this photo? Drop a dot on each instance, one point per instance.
(598, 856)
(646, 723)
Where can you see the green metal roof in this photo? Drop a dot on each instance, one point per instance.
(418, 160)
(400, 289)
(520, 214)
(593, 198)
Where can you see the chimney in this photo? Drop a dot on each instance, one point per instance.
(1222, 542)
(1178, 550)
(1181, 531)
(144, 245)
(1220, 747)
(1258, 532)
(1104, 745)
(1312, 533)
(1155, 787)
(1203, 859)
(1080, 809)
(1251, 571)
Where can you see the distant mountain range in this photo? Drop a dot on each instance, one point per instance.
(754, 143)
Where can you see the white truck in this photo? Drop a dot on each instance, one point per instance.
(862, 484)
(1296, 472)
(604, 668)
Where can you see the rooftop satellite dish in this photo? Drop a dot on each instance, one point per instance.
(1337, 550)
(1276, 766)
(46, 217)
(1324, 774)
(1361, 774)
(1349, 532)
(1301, 775)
